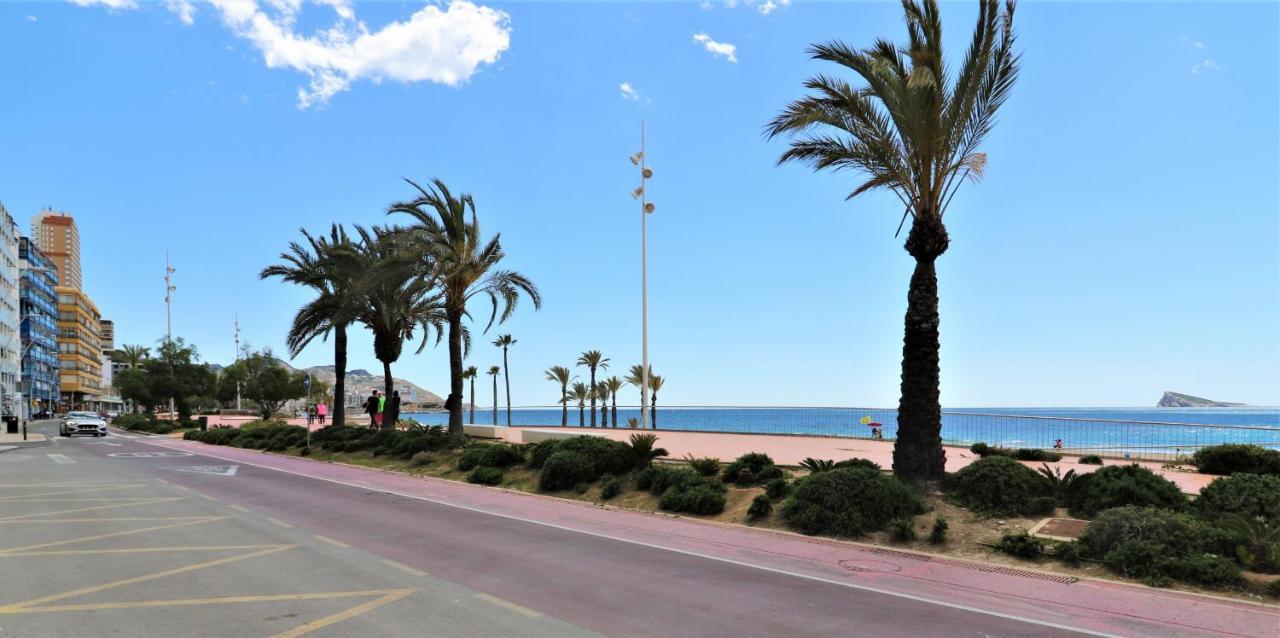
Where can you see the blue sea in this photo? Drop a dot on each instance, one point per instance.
(1138, 432)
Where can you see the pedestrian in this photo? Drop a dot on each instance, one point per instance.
(322, 410)
(393, 410)
(382, 410)
(311, 415)
(371, 408)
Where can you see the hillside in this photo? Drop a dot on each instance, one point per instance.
(362, 382)
(1176, 400)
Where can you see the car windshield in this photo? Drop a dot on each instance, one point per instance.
(83, 415)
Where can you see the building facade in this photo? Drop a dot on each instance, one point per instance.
(39, 320)
(58, 236)
(79, 349)
(108, 345)
(10, 341)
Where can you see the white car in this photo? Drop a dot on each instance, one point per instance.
(83, 423)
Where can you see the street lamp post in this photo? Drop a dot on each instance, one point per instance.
(646, 208)
(168, 311)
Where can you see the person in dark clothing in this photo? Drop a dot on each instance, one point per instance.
(393, 410)
(371, 408)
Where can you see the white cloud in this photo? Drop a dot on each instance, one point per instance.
(1204, 66)
(1186, 39)
(723, 49)
(628, 92)
(32, 19)
(764, 7)
(443, 45)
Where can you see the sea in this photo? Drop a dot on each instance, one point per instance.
(1136, 432)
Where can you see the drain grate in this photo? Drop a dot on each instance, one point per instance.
(982, 567)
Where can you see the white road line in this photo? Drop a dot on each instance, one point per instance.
(60, 459)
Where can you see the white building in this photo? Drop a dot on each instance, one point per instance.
(10, 339)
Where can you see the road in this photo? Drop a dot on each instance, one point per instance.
(135, 536)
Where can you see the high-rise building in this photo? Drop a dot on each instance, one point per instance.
(58, 236)
(79, 349)
(10, 341)
(108, 345)
(39, 316)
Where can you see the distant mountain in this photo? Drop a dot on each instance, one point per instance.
(361, 382)
(1176, 400)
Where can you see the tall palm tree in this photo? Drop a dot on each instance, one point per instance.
(134, 355)
(580, 393)
(470, 375)
(613, 384)
(635, 376)
(396, 299)
(494, 371)
(330, 266)
(561, 375)
(601, 392)
(452, 246)
(593, 360)
(655, 384)
(504, 342)
(913, 129)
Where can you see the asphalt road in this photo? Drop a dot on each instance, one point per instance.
(105, 537)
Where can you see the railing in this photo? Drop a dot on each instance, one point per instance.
(1149, 440)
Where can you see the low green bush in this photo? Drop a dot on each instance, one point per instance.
(489, 455)
(998, 486)
(1176, 534)
(421, 458)
(485, 475)
(848, 502)
(902, 530)
(1231, 458)
(1121, 485)
(705, 466)
(1205, 570)
(1070, 553)
(564, 470)
(1091, 459)
(761, 507)
(607, 456)
(133, 421)
(1135, 558)
(1035, 454)
(644, 449)
(751, 468)
(1041, 506)
(402, 444)
(938, 533)
(1248, 495)
(1159, 546)
(1272, 589)
(610, 486)
(1022, 545)
(777, 488)
(854, 463)
(818, 465)
(645, 478)
(698, 499)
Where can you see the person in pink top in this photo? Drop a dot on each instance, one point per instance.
(321, 411)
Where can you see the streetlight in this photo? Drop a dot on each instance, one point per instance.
(168, 312)
(646, 207)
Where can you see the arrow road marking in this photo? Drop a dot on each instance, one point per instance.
(216, 470)
(60, 459)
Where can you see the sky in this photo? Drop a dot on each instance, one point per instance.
(1124, 241)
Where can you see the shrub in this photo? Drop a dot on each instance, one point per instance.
(582, 488)
(610, 487)
(1059, 483)
(751, 468)
(606, 456)
(818, 465)
(1249, 495)
(761, 506)
(1231, 458)
(132, 421)
(699, 499)
(645, 477)
(1041, 506)
(501, 455)
(996, 485)
(938, 534)
(1178, 534)
(1135, 558)
(902, 530)
(1120, 485)
(644, 449)
(1205, 569)
(564, 470)
(1033, 454)
(470, 458)
(421, 458)
(848, 502)
(1021, 544)
(705, 466)
(1253, 541)
(1158, 545)
(683, 478)
(1272, 589)
(857, 463)
(485, 475)
(1091, 459)
(777, 488)
(1070, 553)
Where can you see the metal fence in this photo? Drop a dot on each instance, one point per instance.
(1153, 440)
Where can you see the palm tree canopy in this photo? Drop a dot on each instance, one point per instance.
(396, 300)
(909, 128)
(470, 373)
(655, 383)
(593, 359)
(134, 354)
(559, 374)
(456, 250)
(332, 267)
(580, 393)
(495, 371)
(613, 384)
(504, 341)
(635, 375)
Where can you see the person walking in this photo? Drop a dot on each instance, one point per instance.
(322, 410)
(371, 407)
(311, 415)
(393, 409)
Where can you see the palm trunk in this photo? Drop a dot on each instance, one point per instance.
(581, 419)
(593, 397)
(472, 420)
(564, 406)
(339, 374)
(387, 384)
(918, 457)
(653, 410)
(455, 373)
(506, 375)
(615, 410)
(495, 399)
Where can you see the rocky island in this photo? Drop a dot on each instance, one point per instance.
(1176, 400)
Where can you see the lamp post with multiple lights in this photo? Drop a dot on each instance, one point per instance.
(646, 208)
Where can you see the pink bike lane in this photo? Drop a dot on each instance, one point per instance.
(1093, 606)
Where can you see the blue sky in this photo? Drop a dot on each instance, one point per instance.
(1125, 241)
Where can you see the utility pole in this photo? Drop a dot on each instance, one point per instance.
(237, 359)
(646, 207)
(168, 312)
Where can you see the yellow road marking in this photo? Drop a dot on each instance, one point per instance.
(188, 602)
(332, 541)
(19, 497)
(405, 568)
(26, 605)
(280, 523)
(124, 519)
(519, 609)
(160, 480)
(134, 550)
(238, 508)
(68, 484)
(206, 496)
(182, 487)
(142, 501)
(95, 537)
(345, 615)
(72, 500)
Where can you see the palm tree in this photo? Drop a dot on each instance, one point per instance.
(504, 342)
(593, 360)
(635, 376)
(913, 129)
(452, 246)
(580, 393)
(655, 384)
(331, 267)
(395, 299)
(494, 371)
(613, 384)
(561, 375)
(601, 392)
(134, 355)
(470, 374)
